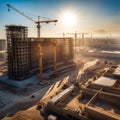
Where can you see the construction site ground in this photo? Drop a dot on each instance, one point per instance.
(13, 100)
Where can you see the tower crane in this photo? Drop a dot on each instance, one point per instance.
(75, 35)
(38, 23)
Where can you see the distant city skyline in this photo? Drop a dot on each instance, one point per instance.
(100, 17)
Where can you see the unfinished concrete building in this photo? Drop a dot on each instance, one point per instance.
(23, 59)
(64, 52)
(96, 99)
(18, 52)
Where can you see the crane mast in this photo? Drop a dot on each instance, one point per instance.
(38, 22)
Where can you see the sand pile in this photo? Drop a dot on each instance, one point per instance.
(26, 115)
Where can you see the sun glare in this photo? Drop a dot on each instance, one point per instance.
(69, 18)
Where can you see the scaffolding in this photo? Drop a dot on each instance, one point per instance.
(17, 52)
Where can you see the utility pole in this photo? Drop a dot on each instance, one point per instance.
(38, 22)
(91, 36)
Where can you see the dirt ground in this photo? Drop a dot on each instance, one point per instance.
(31, 114)
(83, 74)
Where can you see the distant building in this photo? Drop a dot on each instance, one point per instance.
(2, 44)
(23, 57)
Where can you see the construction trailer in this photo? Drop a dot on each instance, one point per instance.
(23, 55)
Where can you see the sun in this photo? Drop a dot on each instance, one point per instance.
(69, 18)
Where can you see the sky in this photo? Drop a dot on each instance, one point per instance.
(100, 17)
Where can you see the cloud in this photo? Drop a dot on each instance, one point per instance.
(101, 31)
